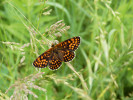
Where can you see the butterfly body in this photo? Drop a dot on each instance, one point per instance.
(54, 56)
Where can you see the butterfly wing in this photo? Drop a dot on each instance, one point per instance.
(68, 56)
(70, 44)
(54, 62)
(65, 55)
(43, 60)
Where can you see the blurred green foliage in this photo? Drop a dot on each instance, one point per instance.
(103, 66)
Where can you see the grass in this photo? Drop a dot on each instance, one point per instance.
(102, 68)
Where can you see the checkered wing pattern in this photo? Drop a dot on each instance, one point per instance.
(70, 44)
(66, 55)
(54, 62)
(42, 60)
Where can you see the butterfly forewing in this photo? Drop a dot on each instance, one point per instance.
(43, 60)
(70, 44)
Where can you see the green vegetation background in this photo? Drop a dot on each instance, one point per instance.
(102, 68)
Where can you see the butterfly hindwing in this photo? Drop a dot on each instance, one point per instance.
(66, 55)
(54, 62)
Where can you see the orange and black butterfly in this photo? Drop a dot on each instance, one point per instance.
(54, 56)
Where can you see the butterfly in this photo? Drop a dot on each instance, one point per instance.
(54, 56)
